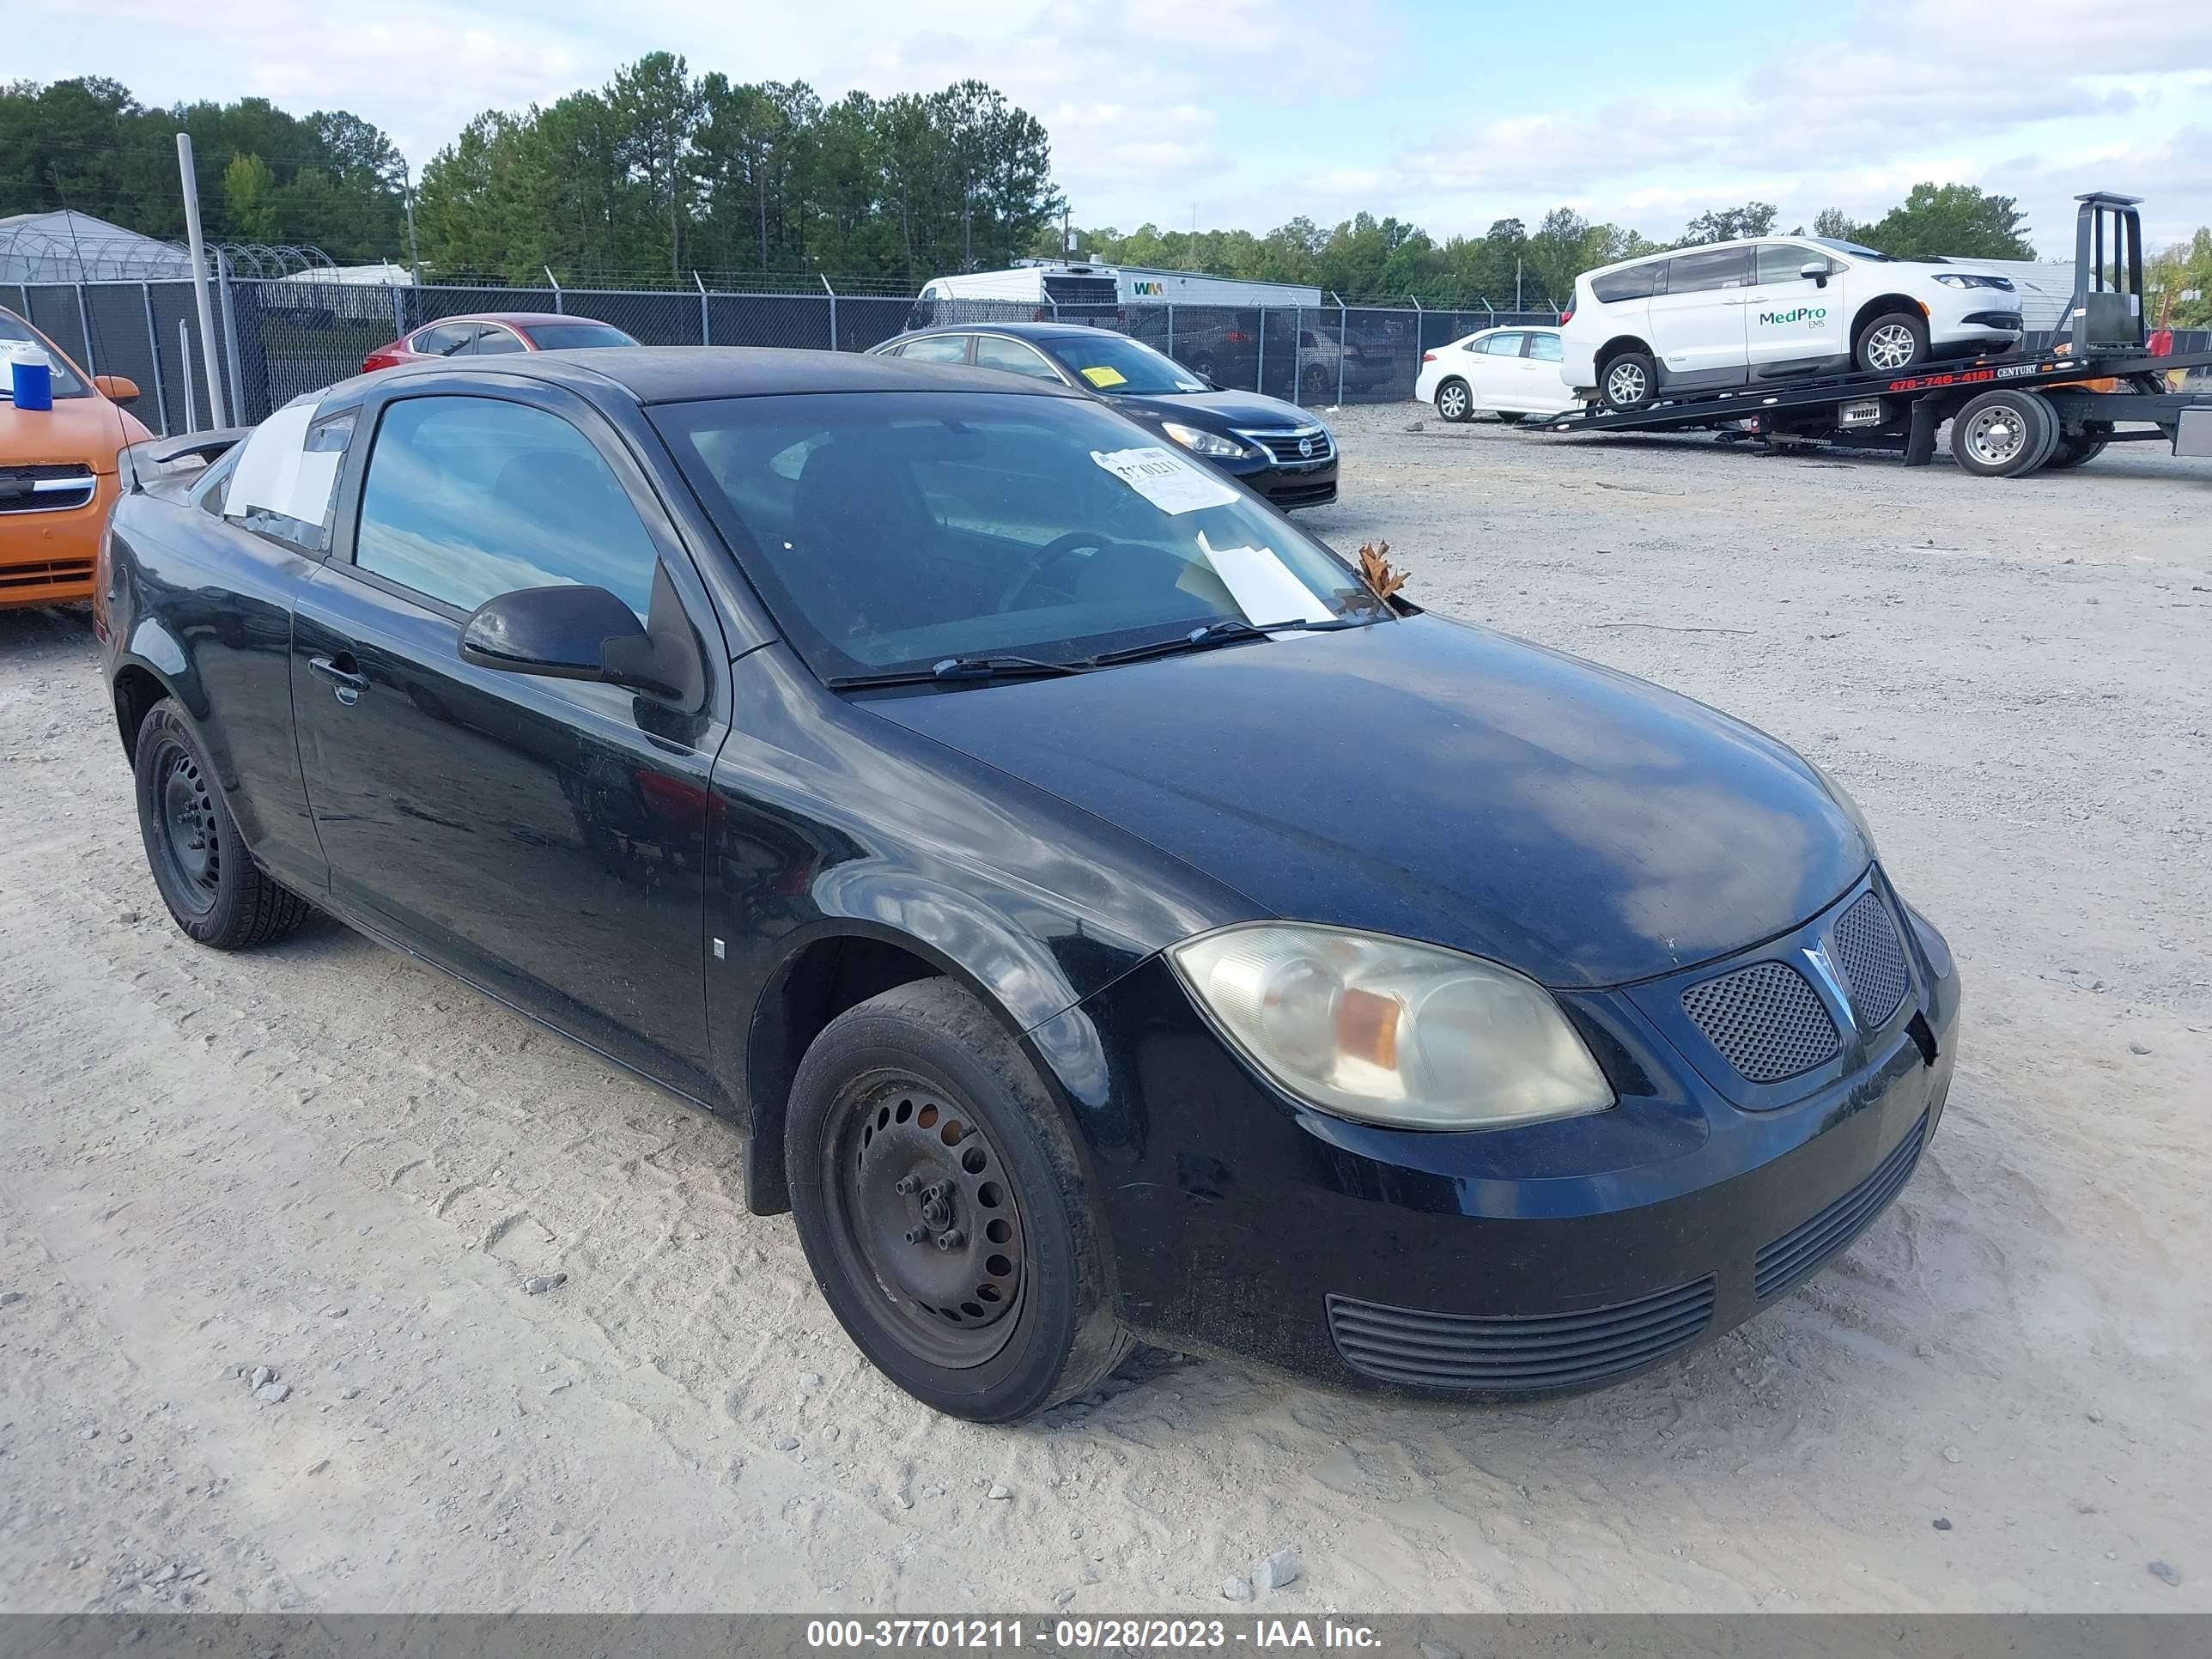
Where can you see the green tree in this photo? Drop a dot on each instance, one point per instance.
(2179, 284)
(248, 191)
(1835, 224)
(1727, 224)
(1951, 222)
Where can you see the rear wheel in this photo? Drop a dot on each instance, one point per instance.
(2079, 448)
(2003, 435)
(1892, 342)
(1629, 380)
(214, 889)
(1454, 402)
(943, 1210)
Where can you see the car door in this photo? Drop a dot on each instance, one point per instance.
(1697, 318)
(1545, 392)
(1496, 361)
(1793, 322)
(542, 838)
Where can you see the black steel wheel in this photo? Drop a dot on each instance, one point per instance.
(212, 887)
(942, 1205)
(919, 1203)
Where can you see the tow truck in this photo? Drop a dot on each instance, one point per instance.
(2011, 413)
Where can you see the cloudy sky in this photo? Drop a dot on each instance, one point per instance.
(1447, 113)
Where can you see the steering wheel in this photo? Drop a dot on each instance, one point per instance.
(1061, 550)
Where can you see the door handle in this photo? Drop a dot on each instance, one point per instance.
(349, 684)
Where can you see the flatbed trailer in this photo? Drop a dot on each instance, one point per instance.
(2012, 414)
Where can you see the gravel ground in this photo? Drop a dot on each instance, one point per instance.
(324, 1160)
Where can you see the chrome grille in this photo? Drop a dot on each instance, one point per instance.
(1767, 1021)
(1282, 447)
(45, 486)
(1866, 946)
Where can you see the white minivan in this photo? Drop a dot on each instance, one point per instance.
(1732, 313)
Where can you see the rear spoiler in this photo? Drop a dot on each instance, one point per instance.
(145, 460)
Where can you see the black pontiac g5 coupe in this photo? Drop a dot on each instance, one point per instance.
(1096, 913)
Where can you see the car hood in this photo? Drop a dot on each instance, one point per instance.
(1438, 782)
(87, 429)
(1221, 411)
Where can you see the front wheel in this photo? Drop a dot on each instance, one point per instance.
(942, 1207)
(214, 889)
(1454, 403)
(1892, 343)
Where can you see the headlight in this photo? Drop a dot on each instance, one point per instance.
(1388, 1031)
(1203, 443)
(1949, 280)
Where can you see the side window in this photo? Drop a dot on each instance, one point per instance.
(1507, 345)
(209, 492)
(1545, 348)
(1702, 273)
(494, 339)
(1636, 283)
(1780, 262)
(290, 498)
(468, 498)
(447, 339)
(937, 348)
(996, 351)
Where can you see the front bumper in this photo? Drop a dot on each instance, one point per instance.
(1510, 1264)
(1311, 484)
(48, 556)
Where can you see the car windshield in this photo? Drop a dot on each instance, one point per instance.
(569, 337)
(892, 531)
(1125, 368)
(66, 384)
(1853, 249)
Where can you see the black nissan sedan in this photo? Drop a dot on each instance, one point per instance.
(1097, 914)
(1264, 443)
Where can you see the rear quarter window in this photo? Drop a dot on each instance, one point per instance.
(1636, 283)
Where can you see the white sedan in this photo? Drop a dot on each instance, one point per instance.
(1510, 372)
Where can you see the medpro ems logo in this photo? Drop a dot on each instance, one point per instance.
(1813, 316)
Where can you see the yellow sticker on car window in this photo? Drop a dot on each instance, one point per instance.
(1102, 376)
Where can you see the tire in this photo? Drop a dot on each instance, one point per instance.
(1455, 402)
(1017, 1313)
(2003, 435)
(1628, 381)
(215, 891)
(2077, 449)
(1892, 342)
(1316, 383)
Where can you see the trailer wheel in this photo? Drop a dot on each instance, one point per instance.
(1629, 380)
(1454, 402)
(2004, 434)
(2078, 449)
(1892, 343)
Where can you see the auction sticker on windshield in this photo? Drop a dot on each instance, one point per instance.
(1169, 483)
(1102, 376)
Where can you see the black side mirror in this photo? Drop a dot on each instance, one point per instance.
(1817, 269)
(563, 633)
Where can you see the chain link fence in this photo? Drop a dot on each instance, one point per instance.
(276, 339)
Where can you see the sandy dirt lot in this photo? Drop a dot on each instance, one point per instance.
(327, 1160)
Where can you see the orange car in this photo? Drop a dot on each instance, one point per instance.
(57, 477)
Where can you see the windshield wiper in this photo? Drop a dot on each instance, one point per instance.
(955, 669)
(1227, 631)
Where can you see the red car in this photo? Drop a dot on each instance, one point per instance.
(483, 333)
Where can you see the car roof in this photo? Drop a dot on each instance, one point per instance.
(1798, 237)
(675, 374)
(1019, 330)
(521, 318)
